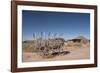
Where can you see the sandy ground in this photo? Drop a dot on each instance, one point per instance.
(75, 54)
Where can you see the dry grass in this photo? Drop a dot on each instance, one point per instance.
(77, 51)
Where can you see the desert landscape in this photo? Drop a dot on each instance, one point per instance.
(56, 49)
(55, 36)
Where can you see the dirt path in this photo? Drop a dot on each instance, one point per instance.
(82, 53)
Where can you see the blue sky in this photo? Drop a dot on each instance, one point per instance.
(70, 24)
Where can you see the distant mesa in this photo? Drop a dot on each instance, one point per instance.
(74, 40)
(79, 39)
